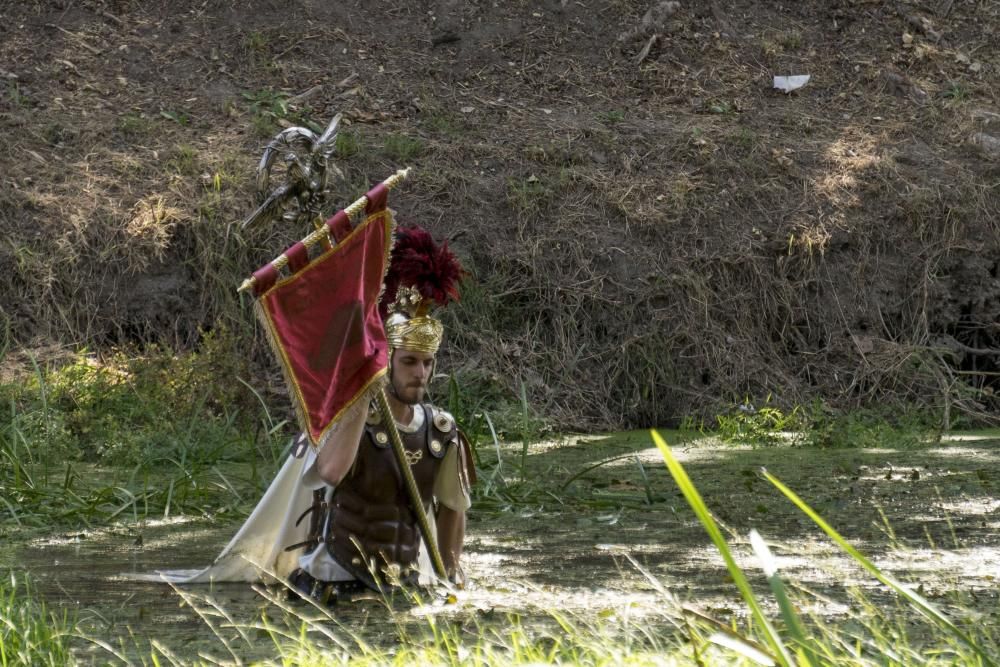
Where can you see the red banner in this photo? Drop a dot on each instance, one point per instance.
(324, 325)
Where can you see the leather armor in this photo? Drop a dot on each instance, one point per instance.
(371, 525)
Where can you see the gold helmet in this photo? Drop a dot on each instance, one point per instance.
(422, 275)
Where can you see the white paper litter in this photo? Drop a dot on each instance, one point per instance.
(789, 83)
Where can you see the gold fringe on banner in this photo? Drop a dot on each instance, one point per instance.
(364, 397)
(360, 402)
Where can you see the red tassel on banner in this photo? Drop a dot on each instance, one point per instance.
(377, 198)
(264, 278)
(298, 257)
(339, 226)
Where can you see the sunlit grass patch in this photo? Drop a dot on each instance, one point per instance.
(31, 634)
(433, 629)
(873, 636)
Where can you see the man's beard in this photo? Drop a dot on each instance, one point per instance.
(410, 398)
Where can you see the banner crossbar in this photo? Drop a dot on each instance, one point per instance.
(323, 233)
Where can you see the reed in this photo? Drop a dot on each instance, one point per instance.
(874, 638)
(31, 634)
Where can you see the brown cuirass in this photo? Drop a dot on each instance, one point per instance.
(371, 522)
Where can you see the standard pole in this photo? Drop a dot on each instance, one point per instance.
(411, 484)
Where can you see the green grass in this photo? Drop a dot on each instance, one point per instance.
(256, 42)
(30, 634)
(744, 138)
(775, 629)
(348, 144)
(185, 160)
(16, 95)
(88, 443)
(790, 40)
(527, 196)
(871, 637)
(956, 92)
(402, 148)
(443, 123)
(135, 124)
(612, 117)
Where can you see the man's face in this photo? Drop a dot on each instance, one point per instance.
(411, 371)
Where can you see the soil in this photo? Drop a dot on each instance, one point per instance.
(561, 540)
(652, 230)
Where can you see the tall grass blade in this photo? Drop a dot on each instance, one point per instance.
(701, 510)
(923, 606)
(165, 652)
(5, 344)
(102, 644)
(645, 481)
(525, 435)
(190, 601)
(770, 566)
(739, 645)
(496, 443)
(13, 512)
(580, 473)
(733, 640)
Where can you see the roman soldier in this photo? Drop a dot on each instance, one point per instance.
(363, 530)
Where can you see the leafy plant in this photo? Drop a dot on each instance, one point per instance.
(758, 427)
(178, 117)
(872, 427)
(267, 107)
(722, 107)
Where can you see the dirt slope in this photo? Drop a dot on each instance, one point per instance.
(652, 229)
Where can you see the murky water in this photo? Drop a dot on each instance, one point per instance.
(929, 514)
(83, 572)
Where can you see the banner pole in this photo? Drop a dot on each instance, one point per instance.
(411, 484)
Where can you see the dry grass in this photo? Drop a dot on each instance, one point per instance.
(649, 241)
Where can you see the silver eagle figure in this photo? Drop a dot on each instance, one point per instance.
(307, 164)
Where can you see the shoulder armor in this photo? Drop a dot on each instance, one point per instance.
(379, 436)
(443, 434)
(443, 421)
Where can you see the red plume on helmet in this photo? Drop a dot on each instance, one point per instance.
(417, 261)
